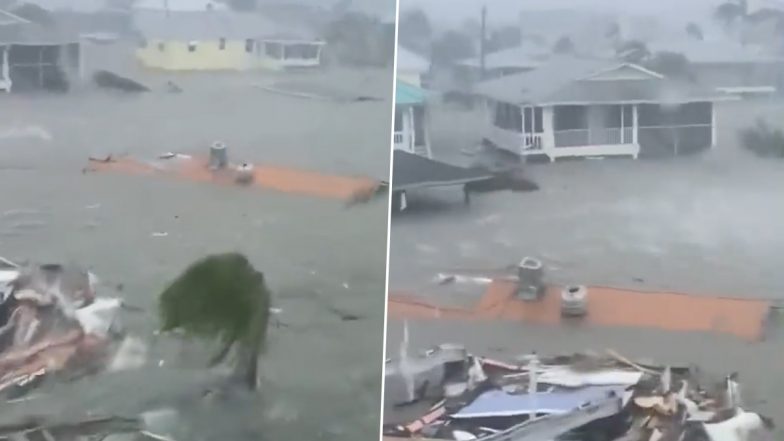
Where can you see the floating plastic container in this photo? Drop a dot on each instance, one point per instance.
(219, 156)
(574, 301)
(529, 274)
(245, 173)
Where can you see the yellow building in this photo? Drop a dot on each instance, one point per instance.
(220, 40)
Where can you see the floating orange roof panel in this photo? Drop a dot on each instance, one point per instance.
(290, 180)
(745, 318)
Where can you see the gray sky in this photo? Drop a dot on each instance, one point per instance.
(450, 12)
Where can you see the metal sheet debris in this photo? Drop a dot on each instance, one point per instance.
(529, 401)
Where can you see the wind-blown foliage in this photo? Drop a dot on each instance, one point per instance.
(694, 31)
(221, 297)
(763, 140)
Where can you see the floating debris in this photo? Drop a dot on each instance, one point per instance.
(570, 397)
(51, 318)
(25, 132)
(109, 80)
(160, 234)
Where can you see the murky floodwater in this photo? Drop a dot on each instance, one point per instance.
(321, 376)
(706, 225)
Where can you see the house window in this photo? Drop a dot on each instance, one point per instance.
(570, 118)
(300, 51)
(192, 46)
(249, 45)
(273, 50)
(222, 44)
(161, 47)
(508, 117)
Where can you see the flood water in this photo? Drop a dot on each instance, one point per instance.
(321, 376)
(708, 225)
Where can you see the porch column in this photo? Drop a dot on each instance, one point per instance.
(713, 125)
(636, 125)
(411, 130)
(548, 137)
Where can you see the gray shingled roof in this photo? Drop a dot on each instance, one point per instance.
(213, 25)
(527, 55)
(414, 171)
(560, 81)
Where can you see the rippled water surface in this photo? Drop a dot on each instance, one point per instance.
(321, 375)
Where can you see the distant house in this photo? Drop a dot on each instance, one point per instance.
(220, 40)
(411, 67)
(35, 57)
(728, 66)
(528, 56)
(574, 107)
(411, 132)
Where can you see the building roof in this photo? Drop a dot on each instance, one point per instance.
(212, 25)
(179, 5)
(414, 171)
(7, 18)
(17, 30)
(570, 80)
(408, 94)
(715, 50)
(408, 61)
(528, 55)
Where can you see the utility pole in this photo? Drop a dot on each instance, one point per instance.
(483, 42)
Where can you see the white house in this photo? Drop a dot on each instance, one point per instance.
(726, 65)
(574, 107)
(411, 67)
(411, 132)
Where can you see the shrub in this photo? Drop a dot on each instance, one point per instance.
(763, 140)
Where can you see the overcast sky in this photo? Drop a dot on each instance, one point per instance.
(450, 12)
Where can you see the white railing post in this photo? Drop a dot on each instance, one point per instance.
(635, 125)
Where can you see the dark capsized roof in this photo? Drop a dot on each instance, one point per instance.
(415, 171)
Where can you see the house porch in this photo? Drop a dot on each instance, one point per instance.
(411, 134)
(615, 129)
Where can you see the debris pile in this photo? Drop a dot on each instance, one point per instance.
(459, 396)
(52, 323)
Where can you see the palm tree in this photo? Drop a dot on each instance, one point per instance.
(694, 31)
(221, 297)
(731, 12)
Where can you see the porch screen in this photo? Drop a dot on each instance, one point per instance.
(570, 118)
(675, 130)
(508, 117)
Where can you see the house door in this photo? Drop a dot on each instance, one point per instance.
(533, 127)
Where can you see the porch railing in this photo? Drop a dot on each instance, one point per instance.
(532, 142)
(398, 137)
(588, 137)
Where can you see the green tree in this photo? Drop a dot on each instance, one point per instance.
(243, 5)
(694, 31)
(564, 45)
(504, 38)
(415, 25)
(359, 39)
(221, 297)
(671, 64)
(452, 46)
